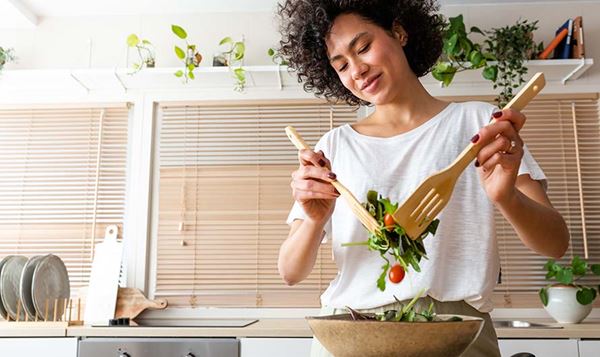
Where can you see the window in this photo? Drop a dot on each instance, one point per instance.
(62, 181)
(224, 195)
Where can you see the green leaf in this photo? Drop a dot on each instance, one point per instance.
(179, 52)
(146, 42)
(549, 264)
(179, 73)
(239, 50)
(477, 30)
(476, 58)
(191, 67)
(179, 31)
(490, 73)
(585, 296)
(240, 74)
(450, 44)
(595, 269)
(579, 266)
(544, 296)
(191, 75)
(381, 280)
(225, 40)
(372, 197)
(271, 52)
(565, 276)
(388, 206)
(132, 40)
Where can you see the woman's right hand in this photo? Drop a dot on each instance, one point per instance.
(311, 185)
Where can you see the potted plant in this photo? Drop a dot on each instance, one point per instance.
(145, 51)
(6, 55)
(568, 301)
(234, 57)
(511, 46)
(190, 57)
(502, 59)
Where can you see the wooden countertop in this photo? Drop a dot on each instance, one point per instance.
(275, 327)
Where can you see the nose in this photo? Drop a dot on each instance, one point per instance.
(359, 69)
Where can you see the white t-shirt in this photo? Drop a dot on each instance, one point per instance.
(463, 257)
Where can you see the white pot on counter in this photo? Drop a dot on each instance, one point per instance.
(563, 305)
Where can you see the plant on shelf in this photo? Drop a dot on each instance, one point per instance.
(190, 57)
(569, 301)
(6, 55)
(234, 58)
(511, 46)
(502, 59)
(276, 57)
(145, 51)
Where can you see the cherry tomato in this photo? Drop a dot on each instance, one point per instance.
(389, 222)
(396, 274)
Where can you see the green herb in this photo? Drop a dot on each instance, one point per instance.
(392, 239)
(406, 313)
(568, 275)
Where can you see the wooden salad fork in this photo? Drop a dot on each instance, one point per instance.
(363, 215)
(432, 195)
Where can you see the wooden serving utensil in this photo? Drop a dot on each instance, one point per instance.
(131, 302)
(363, 215)
(432, 195)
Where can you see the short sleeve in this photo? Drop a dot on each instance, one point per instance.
(530, 167)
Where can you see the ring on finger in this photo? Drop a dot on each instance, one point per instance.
(510, 149)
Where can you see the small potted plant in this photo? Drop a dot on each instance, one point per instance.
(145, 51)
(233, 56)
(190, 57)
(567, 301)
(6, 55)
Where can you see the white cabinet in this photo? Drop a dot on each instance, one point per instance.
(589, 348)
(540, 347)
(46, 347)
(275, 347)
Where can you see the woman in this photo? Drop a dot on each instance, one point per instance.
(372, 52)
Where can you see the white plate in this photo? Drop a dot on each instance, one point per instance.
(50, 283)
(9, 280)
(25, 286)
(3, 312)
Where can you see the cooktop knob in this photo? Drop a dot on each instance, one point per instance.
(124, 354)
(190, 355)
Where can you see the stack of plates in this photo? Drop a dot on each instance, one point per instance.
(37, 287)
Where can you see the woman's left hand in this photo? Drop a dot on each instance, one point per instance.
(500, 156)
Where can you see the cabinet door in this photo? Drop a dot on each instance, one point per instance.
(539, 347)
(47, 347)
(275, 347)
(589, 348)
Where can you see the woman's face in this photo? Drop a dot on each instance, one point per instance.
(368, 61)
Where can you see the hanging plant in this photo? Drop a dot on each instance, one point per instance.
(511, 46)
(6, 55)
(234, 58)
(502, 59)
(190, 57)
(145, 51)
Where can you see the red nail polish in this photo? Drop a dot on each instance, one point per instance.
(477, 163)
(321, 162)
(497, 114)
(475, 138)
(331, 175)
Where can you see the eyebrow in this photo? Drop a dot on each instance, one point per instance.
(350, 45)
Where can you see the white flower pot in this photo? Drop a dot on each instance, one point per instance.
(564, 307)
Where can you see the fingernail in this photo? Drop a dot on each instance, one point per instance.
(497, 114)
(475, 138)
(477, 163)
(321, 162)
(331, 175)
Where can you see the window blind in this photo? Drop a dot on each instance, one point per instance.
(62, 180)
(224, 197)
(563, 134)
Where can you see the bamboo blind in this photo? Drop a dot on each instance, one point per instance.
(62, 180)
(564, 137)
(224, 197)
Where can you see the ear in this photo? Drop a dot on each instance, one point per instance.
(400, 34)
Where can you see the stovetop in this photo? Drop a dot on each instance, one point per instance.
(196, 322)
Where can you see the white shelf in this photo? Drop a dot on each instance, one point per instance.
(118, 80)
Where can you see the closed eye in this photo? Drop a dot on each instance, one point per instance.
(364, 49)
(343, 67)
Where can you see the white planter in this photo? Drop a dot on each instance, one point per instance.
(564, 307)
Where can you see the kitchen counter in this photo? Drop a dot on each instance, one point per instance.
(279, 327)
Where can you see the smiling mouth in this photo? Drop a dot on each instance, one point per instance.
(369, 81)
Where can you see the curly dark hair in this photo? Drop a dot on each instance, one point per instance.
(304, 25)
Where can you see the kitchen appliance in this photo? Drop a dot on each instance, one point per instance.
(158, 347)
(226, 323)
